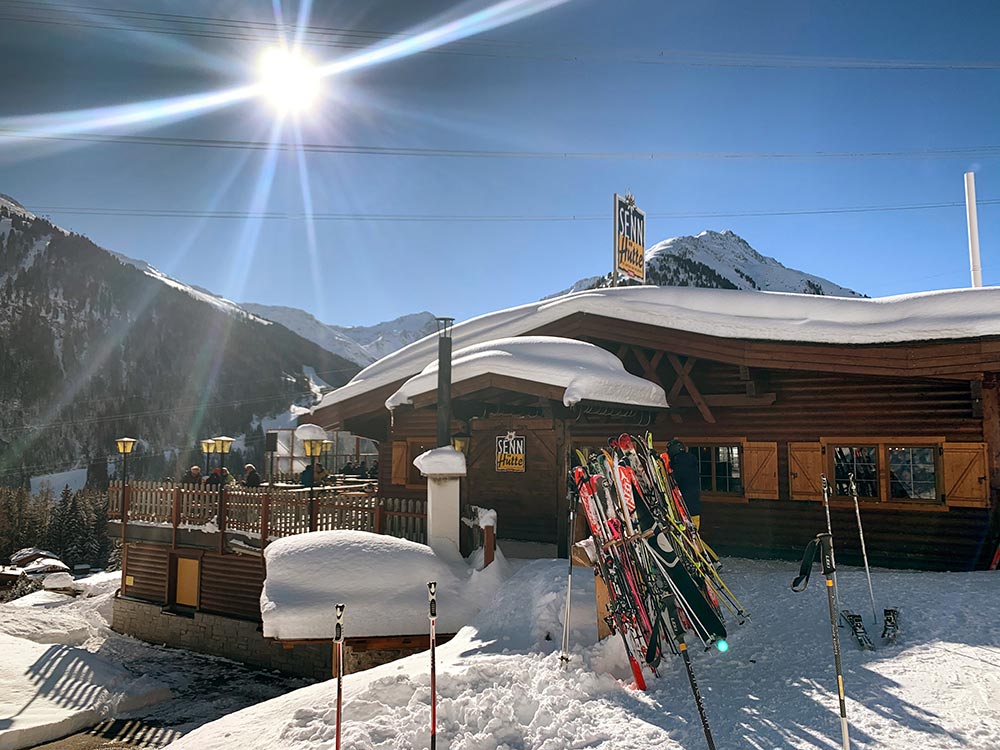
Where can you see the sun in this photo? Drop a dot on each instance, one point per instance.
(288, 80)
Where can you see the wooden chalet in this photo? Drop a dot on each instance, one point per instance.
(769, 390)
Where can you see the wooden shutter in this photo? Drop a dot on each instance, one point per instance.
(760, 470)
(805, 466)
(965, 476)
(400, 462)
(187, 582)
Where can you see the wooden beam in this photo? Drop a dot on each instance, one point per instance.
(675, 390)
(683, 374)
(648, 366)
(728, 399)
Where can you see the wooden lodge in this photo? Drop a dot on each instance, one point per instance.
(770, 391)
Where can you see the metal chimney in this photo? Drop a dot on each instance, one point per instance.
(970, 210)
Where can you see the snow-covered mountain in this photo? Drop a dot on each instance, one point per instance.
(360, 344)
(95, 345)
(721, 260)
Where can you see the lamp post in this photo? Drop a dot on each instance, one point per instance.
(327, 447)
(444, 381)
(222, 446)
(125, 446)
(314, 448)
(208, 448)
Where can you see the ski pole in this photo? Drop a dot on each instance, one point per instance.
(338, 655)
(864, 553)
(823, 545)
(564, 656)
(829, 530)
(678, 628)
(432, 614)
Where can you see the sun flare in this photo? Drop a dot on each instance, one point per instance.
(288, 80)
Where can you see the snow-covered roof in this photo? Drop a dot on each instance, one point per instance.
(46, 565)
(586, 371)
(768, 316)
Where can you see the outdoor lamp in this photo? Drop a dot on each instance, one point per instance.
(208, 445)
(125, 445)
(223, 444)
(314, 447)
(460, 441)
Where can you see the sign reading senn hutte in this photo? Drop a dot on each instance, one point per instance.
(630, 238)
(510, 452)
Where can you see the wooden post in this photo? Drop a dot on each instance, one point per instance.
(175, 516)
(562, 501)
(489, 545)
(991, 426)
(379, 516)
(265, 519)
(222, 519)
(601, 598)
(313, 511)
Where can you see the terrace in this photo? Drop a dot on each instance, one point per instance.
(243, 520)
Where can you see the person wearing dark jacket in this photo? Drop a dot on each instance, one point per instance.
(215, 478)
(250, 476)
(684, 467)
(306, 477)
(193, 476)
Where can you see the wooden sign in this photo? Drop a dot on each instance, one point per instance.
(630, 238)
(510, 452)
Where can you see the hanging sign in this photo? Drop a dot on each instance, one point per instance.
(630, 238)
(510, 452)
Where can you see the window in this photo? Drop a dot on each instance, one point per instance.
(719, 468)
(912, 473)
(862, 462)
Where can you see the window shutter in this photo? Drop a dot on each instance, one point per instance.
(805, 467)
(760, 470)
(965, 476)
(400, 462)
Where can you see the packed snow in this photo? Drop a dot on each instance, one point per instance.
(443, 461)
(381, 579)
(586, 371)
(770, 316)
(501, 685)
(75, 479)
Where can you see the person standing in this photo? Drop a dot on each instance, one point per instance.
(684, 466)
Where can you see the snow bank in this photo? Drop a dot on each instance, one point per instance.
(381, 579)
(501, 685)
(58, 581)
(443, 461)
(586, 372)
(769, 316)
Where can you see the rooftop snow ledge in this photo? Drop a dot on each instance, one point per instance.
(441, 462)
(587, 372)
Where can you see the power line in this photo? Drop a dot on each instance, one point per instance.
(27, 11)
(954, 152)
(170, 213)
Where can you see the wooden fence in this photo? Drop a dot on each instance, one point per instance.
(266, 513)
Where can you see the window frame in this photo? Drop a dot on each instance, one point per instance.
(721, 442)
(883, 444)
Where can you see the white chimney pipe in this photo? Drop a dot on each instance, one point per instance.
(970, 210)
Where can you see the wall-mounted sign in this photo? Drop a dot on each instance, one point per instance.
(510, 452)
(630, 238)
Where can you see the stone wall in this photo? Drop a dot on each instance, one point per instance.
(240, 640)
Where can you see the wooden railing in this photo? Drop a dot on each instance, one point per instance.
(265, 512)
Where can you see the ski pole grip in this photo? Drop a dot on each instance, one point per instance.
(826, 543)
(432, 599)
(338, 632)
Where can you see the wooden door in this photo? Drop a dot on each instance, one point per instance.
(188, 570)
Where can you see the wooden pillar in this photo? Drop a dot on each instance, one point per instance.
(380, 516)
(489, 546)
(562, 502)
(265, 519)
(222, 519)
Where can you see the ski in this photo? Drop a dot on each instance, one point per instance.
(857, 625)
(890, 625)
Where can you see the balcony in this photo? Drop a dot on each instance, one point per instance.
(243, 520)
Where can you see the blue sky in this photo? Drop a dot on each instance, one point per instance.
(585, 76)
